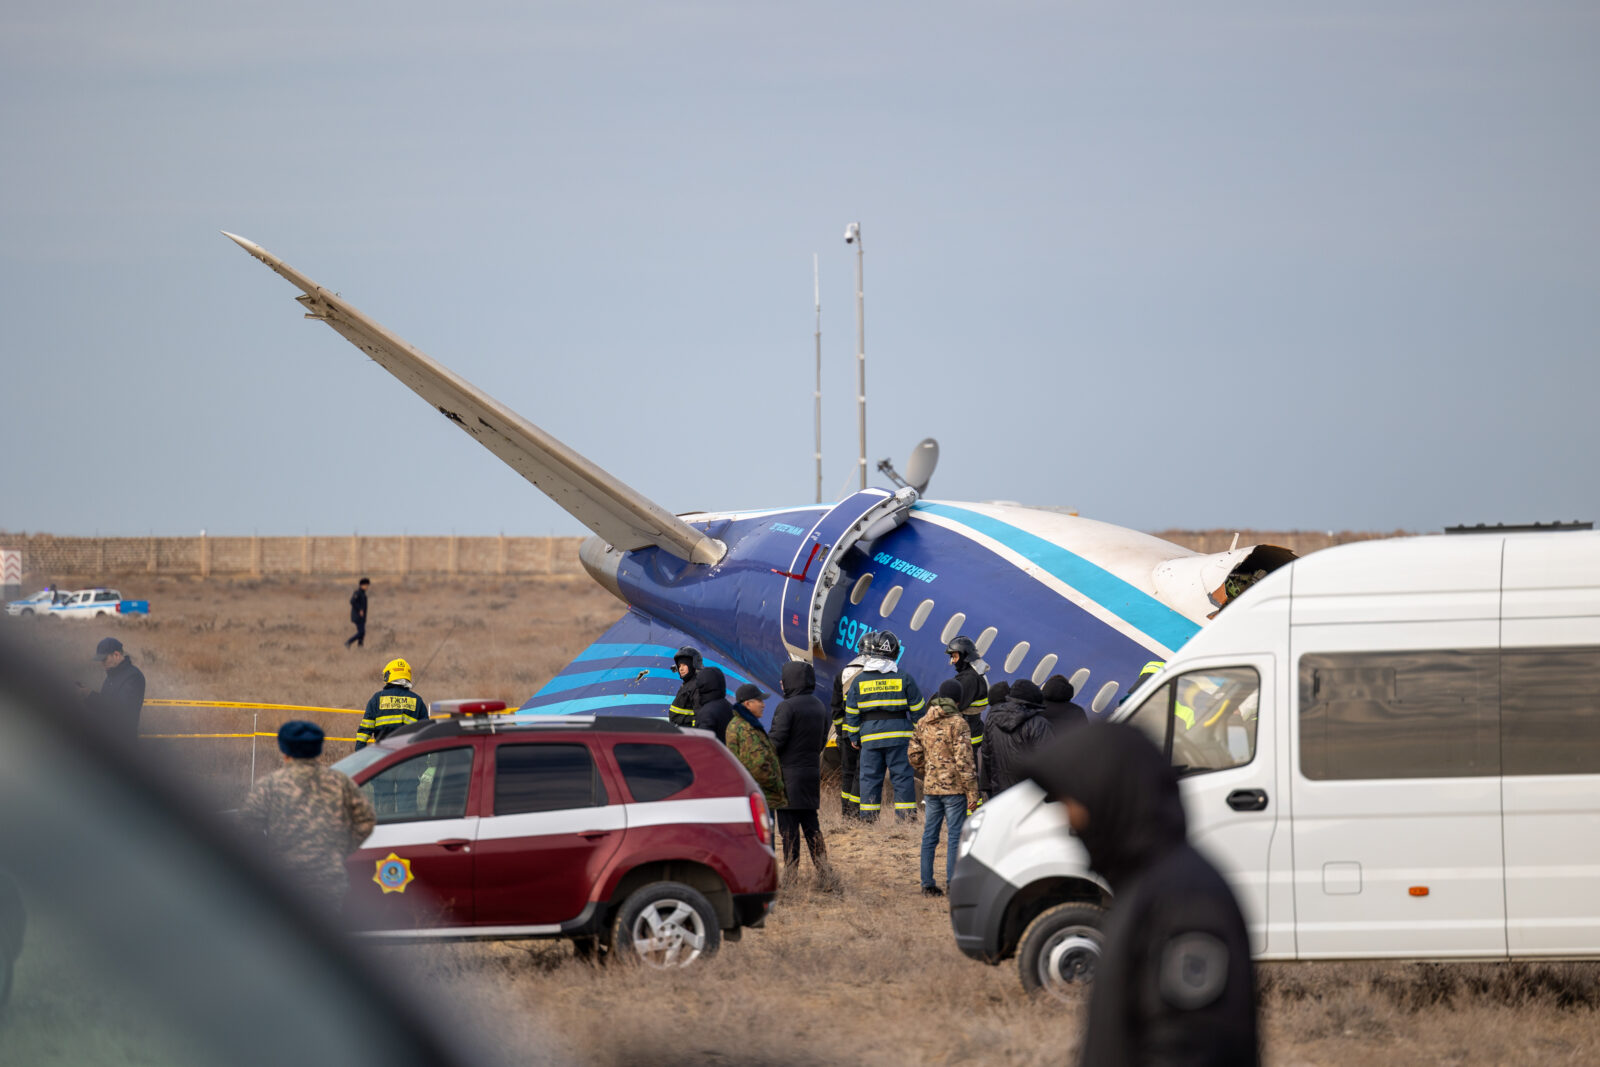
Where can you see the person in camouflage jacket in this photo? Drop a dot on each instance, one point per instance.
(311, 816)
(749, 743)
(941, 754)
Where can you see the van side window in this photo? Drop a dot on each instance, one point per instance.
(1550, 710)
(1214, 719)
(1425, 714)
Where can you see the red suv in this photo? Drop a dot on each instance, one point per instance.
(623, 834)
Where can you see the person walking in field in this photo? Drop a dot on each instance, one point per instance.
(799, 734)
(393, 706)
(311, 816)
(358, 614)
(941, 755)
(748, 741)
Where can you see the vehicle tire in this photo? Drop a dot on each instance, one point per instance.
(665, 925)
(1060, 950)
(26, 613)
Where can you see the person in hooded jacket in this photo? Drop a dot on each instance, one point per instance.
(799, 734)
(1059, 710)
(941, 753)
(849, 755)
(1013, 730)
(999, 693)
(686, 664)
(1175, 984)
(713, 710)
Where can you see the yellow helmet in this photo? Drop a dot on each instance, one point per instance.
(395, 670)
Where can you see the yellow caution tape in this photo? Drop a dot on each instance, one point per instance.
(241, 704)
(173, 737)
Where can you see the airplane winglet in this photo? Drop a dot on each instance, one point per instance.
(617, 512)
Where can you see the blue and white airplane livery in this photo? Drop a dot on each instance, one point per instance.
(1041, 592)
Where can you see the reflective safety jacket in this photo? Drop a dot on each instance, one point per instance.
(974, 699)
(681, 712)
(880, 706)
(390, 708)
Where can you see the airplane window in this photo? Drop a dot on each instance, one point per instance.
(924, 609)
(953, 627)
(986, 639)
(890, 599)
(859, 593)
(1079, 679)
(1041, 673)
(1014, 660)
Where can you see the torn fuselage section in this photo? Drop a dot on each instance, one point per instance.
(1200, 585)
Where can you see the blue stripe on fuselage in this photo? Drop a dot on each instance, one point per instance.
(1131, 604)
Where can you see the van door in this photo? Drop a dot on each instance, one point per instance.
(1208, 719)
(1550, 743)
(1396, 790)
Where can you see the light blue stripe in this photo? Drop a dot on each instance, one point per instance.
(563, 682)
(614, 650)
(587, 704)
(1131, 604)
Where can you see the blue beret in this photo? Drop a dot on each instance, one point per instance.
(299, 739)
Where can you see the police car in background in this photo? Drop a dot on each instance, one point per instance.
(37, 604)
(97, 603)
(627, 836)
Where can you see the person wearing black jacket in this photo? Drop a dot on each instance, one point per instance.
(686, 664)
(120, 700)
(969, 665)
(713, 711)
(358, 614)
(1059, 710)
(1013, 730)
(849, 755)
(1174, 984)
(799, 733)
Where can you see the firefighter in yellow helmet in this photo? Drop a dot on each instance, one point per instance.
(393, 706)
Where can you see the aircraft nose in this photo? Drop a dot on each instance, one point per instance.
(601, 561)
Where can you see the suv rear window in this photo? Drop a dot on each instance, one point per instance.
(653, 772)
(545, 777)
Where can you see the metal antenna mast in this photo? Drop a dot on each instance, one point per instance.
(852, 235)
(816, 292)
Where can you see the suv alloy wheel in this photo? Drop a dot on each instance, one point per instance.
(666, 925)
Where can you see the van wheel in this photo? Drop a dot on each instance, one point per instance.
(666, 925)
(1060, 950)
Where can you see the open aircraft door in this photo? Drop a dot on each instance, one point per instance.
(862, 516)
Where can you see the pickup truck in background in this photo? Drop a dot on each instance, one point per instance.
(96, 604)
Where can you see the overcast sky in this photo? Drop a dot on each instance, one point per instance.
(1234, 264)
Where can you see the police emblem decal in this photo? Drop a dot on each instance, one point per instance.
(393, 874)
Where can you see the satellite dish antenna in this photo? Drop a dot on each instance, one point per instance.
(919, 468)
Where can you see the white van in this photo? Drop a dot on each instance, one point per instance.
(1391, 749)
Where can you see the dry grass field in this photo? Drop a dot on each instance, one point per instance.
(868, 975)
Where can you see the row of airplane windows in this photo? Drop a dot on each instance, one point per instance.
(919, 618)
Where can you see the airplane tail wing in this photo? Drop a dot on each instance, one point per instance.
(627, 671)
(623, 516)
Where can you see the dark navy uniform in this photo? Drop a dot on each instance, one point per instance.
(879, 708)
(390, 708)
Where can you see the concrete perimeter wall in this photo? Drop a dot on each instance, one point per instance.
(46, 557)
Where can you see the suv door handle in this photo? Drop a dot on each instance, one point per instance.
(593, 835)
(1248, 800)
(454, 844)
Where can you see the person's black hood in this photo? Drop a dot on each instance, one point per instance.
(1058, 705)
(798, 679)
(710, 684)
(1129, 791)
(1010, 716)
(1023, 691)
(998, 693)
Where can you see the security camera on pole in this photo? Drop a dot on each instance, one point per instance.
(852, 235)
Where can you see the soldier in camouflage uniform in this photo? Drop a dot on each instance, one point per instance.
(312, 816)
(749, 743)
(941, 753)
